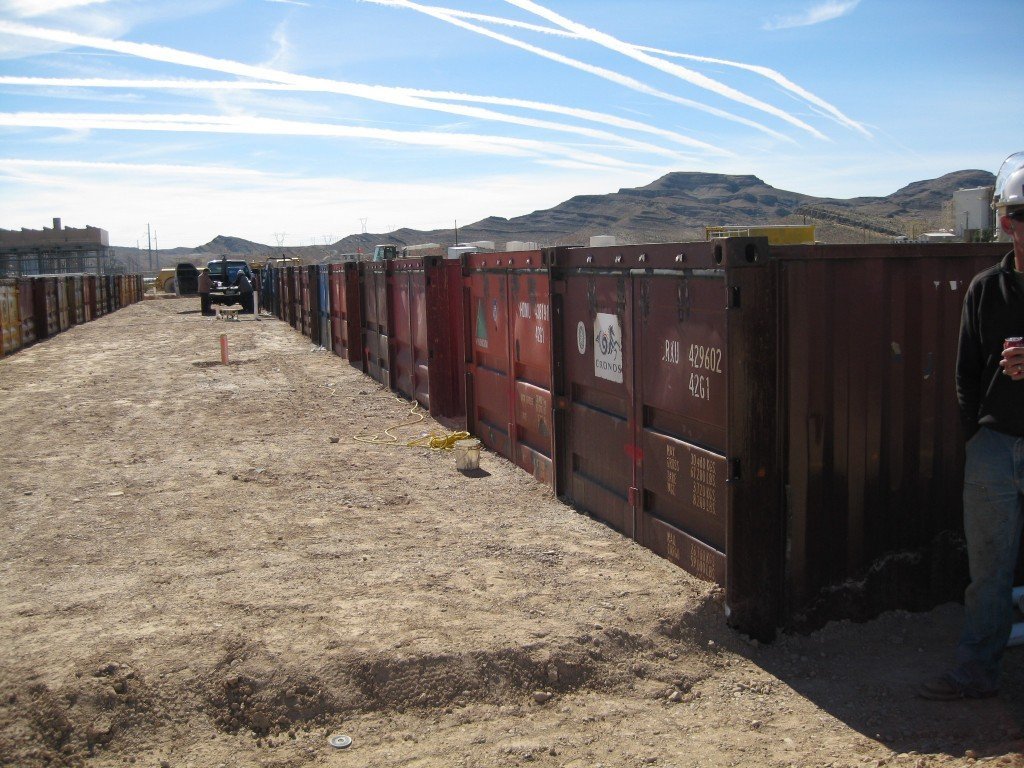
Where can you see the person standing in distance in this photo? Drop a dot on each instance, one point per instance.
(990, 391)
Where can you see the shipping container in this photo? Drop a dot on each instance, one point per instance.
(374, 314)
(346, 323)
(665, 395)
(26, 310)
(88, 297)
(447, 331)
(10, 317)
(870, 426)
(409, 353)
(306, 304)
(323, 287)
(46, 307)
(509, 356)
(64, 314)
(76, 298)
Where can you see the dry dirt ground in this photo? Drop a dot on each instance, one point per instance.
(195, 574)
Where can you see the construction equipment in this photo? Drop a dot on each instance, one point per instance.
(165, 282)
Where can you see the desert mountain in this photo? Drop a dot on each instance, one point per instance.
(675, 207)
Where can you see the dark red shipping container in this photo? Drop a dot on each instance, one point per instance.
(26, 309)
(345, 313)
(870, 426)
(373, 291)
(425, 299)
(509, 357)
(44, 297)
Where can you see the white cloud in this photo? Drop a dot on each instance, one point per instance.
(263, 126)
(687, 75)
(31, 8)
(602, 72)
(827, 11)
(397, 96)
(773, 75)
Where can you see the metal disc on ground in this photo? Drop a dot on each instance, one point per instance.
(340, 741)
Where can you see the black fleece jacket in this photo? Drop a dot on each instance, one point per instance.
(993, 310)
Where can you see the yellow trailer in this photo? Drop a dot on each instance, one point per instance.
(777, 234)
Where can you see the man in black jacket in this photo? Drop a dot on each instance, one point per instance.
(990, 390)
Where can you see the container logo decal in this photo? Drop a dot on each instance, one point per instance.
(581, 338)
(607, 347)
(481, 325)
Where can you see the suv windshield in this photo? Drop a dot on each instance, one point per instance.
(216, 268)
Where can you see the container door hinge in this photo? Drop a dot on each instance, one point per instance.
(734, 471)
(634, 496)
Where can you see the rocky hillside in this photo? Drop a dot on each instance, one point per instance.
(675, 207)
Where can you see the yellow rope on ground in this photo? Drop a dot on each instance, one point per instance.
(436, 440)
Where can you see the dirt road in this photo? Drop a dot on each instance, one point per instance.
(203, 567)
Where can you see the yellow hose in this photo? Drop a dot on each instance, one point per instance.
(436, 440)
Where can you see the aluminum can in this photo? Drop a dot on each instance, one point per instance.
(1013, 341)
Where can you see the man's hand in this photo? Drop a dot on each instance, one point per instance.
(1013, 363)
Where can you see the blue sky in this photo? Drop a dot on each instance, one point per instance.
(302, 121)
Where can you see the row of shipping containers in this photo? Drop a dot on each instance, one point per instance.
(33, 308)
(778, 419)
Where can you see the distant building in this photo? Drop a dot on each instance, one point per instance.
(972, 213)
(53, 251)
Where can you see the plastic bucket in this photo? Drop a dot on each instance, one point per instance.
(467, 454)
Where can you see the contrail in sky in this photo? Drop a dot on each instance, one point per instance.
(688, 75)
(499, 145)
(767, 72)
(607, 74)
(396, 96)
(249, 85)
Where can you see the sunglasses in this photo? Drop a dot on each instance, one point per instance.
(1017, 215)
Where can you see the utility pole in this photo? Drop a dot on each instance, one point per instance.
(149, 246)
(156, 249)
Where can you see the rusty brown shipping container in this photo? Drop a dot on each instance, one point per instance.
(45, 303)
(76, 299)
(509, 356)
(409, 353)
(665, 403)
(10, 317)
(306, 302)
(345, 313)
(374, 314)
(88, 297)
(113, 299)
(26, 310)
(425, 297)
(869, 424)
(296, 296)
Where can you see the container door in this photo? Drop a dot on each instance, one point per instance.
(324, 286)
(597, 451)
(375, 321)
(489, 407)
(682, 369)
(530, 303)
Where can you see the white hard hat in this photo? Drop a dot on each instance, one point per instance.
(1010, 182)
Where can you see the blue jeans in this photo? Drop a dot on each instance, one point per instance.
(993, 484)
